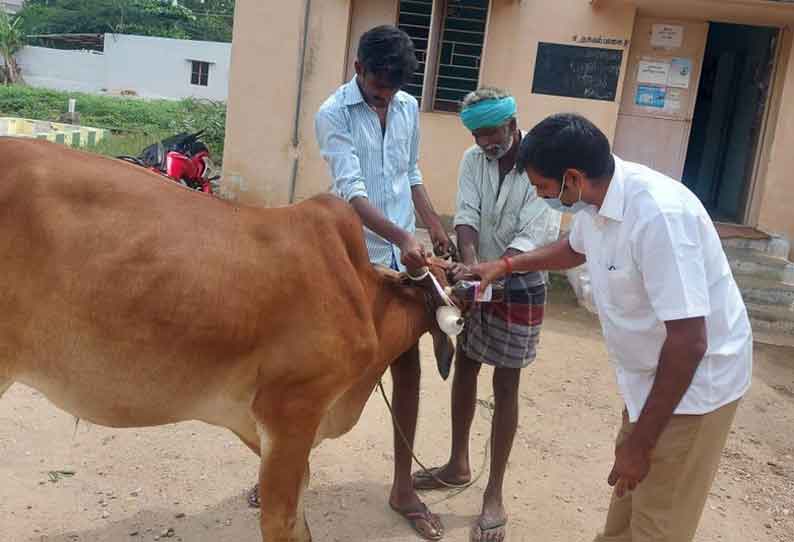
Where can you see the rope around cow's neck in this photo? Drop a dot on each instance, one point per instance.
(458, 489)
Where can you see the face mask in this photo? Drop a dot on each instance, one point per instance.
(558, 205)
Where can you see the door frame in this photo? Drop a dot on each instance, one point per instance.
(756, 180)
(763, 146)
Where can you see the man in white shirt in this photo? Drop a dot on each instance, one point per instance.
(674, 321)
(368, 133)
(498, 214)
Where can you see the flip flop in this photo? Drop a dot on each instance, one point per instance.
(424, 514)
(429, 480)
(480, 529)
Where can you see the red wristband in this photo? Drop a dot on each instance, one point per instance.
(509, 264)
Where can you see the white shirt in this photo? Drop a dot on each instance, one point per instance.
(365, 162)
(512, 216)
(654, 255)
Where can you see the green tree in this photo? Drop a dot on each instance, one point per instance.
(12, 39)
(211, 20)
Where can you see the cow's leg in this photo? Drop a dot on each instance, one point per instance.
(249, 437)
(5, 382)
(287, 424)
(283, 474)
(4, 385)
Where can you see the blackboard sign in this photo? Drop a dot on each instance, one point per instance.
(577, 72)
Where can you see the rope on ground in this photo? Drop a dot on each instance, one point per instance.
(457, 489)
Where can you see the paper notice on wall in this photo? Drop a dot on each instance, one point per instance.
(654, 72)
(672, 101)
(680, 72)
(650, 96)
(667, 36)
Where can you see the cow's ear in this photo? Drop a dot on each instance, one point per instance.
(444, 350)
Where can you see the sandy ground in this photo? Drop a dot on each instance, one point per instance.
(135, 485)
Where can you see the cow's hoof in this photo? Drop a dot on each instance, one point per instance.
(253, 497)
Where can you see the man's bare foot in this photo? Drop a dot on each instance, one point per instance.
(491, 525)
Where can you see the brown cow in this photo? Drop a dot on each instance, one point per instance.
(130, 301)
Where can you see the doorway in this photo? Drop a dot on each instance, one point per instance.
(694, 107)
(728, 117)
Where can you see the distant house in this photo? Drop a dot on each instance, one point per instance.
(11, 6)
(143, 66)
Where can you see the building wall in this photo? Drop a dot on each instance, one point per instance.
(79, 71)
(149, 67)
(260, 151)
(514, 31)
(160, 67)
(11, 6)
(260, 154)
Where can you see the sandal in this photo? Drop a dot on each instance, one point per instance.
(482, 531)
(429, 479)
(423, 516)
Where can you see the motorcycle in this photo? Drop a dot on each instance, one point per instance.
(183, 157)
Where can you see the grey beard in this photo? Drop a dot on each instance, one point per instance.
(502, 150)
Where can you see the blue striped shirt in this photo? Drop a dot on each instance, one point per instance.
(365, 162)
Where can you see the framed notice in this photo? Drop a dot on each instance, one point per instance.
(653, 72)
(680, 72)
(667, 36)
(651, 96)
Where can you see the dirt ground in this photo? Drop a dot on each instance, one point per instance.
(187, 481)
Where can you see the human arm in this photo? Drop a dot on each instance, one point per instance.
(683, 349)
(556, 256)
(538, 225)
(442, 244)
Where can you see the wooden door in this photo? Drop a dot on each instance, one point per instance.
(660, 92)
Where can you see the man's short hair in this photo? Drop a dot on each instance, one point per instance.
(566, 141)
(388, 52)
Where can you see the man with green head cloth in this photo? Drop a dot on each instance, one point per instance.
(498, 215)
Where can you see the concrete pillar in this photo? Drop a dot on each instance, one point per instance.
(263, 92)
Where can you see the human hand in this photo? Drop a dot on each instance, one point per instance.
(458, 271)
(413, 255)
(632, 464)
(442, 245)
(489, 272)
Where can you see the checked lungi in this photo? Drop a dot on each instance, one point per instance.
(506, 334)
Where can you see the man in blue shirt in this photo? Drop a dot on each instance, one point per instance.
(368, 132)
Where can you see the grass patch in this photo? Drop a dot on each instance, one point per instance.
(135, 122)
(129, 144)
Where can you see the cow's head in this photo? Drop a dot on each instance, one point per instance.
(445, 314)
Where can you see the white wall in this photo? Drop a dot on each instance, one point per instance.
(82, 71)
(160, 67)
(11, 6)
(148, 67)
